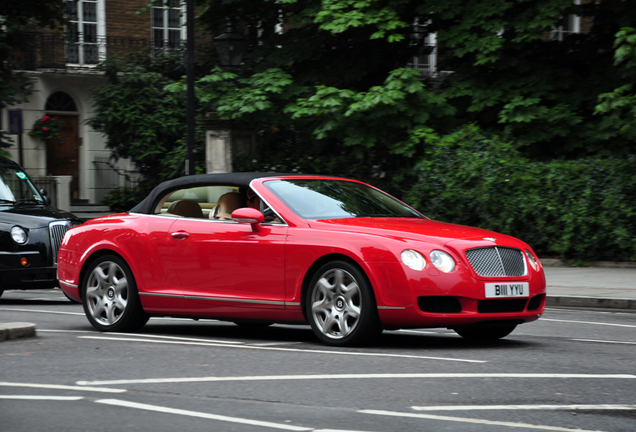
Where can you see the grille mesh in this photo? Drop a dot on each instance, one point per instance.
(497, 261)
(57, 230)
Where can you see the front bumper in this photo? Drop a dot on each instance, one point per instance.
(430, 298)
(28, 278)
(35, 274)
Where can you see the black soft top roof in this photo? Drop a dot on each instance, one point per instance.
(9, 162)
(242, 179)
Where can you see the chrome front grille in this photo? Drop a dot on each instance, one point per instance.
(497, 261)
(57, 230)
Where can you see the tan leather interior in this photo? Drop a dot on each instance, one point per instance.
(186, 208)
(227, 204)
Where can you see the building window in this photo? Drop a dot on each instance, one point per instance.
(60, 101)
(570, 24)
(425, 60)
(85, 30)
(168, 25)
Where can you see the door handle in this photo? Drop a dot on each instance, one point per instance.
(180, 235)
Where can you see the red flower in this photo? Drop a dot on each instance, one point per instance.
(45, 118)
(45, 129)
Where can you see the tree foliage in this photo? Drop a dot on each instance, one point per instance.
(505, 74)
(325, 83)
(142, 118)
(14, 17)
(581, 209)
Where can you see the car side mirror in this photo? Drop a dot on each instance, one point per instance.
(45, 197)
(248, 215)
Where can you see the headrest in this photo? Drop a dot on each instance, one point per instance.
(186, 208)
(228, 203)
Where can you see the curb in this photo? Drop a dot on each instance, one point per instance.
(591, 302)
(16, 330)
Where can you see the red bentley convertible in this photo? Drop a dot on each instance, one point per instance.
(338, 254)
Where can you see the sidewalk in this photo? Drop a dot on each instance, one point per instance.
(606, 285)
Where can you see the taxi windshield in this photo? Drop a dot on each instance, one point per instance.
(335, 199)
(15, 187)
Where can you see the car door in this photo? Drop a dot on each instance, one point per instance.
(230, 265)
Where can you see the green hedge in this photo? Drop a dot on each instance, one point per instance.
(582, 209)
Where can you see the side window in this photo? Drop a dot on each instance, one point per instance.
(198, 202)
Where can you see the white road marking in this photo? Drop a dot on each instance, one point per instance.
(255, 347)
(61, 387)
(605, 341)
(588, 322)
(42, 311)
(421, 332)
(524, 407)
(275, 344)
(189, 413)
(64, 331)
(56, 398)
(357, 376)
(179, 338)
(471, 420)
(148, 336)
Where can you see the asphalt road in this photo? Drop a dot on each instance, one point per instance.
(573, 370)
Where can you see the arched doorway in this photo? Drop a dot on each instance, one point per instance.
(62, 156)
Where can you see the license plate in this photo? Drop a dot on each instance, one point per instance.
(508, 289)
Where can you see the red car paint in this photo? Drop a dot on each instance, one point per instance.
(228, 270)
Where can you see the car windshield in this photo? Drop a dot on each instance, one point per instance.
(15, 187)
(335, 199)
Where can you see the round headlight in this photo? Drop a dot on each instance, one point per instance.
(413, 259)
(531, 260)
(443, 261)
(19, 235)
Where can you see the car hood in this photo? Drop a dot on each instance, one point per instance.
(34, 216)
(427, 230)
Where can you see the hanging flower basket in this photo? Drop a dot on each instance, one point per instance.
(45, 128)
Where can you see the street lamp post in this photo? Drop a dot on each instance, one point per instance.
(221, 138)
(190, 97)
(230, 46)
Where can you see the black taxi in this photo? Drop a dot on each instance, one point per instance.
(30, 232)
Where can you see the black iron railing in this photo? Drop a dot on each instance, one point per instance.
(49, 184)
(58, 51)
(109, 177)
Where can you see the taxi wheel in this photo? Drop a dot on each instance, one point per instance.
(340, 305)
(110, 298)
(485, 333)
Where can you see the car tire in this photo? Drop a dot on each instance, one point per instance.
(485, 333)
(109, 296)
(340, 305)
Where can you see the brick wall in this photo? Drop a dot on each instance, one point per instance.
(122, 20)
